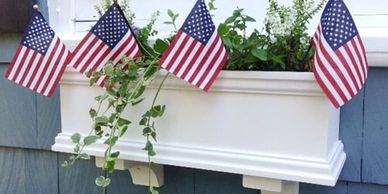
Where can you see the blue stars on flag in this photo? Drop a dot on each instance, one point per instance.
(337, 24)
(111, 27)
(199, 24)
(39, 35)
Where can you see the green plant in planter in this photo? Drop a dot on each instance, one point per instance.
(124, 89)
(282, 45)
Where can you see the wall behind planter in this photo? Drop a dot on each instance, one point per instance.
(29, 123)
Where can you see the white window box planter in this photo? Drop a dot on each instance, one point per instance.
(267, 126)
(276, 125)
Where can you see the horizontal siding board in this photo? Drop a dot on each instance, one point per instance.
(18, 114)
(80, 178)
(351, 131)
(340, 188)
(28, 171)
(208, 182)
(48, 119)
(361, 188)
(178, 180)
(122, 183)
(375, 146)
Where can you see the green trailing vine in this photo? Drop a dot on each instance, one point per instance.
(125, 89)
(281, 45)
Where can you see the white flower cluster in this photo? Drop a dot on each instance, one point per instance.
(281, 20)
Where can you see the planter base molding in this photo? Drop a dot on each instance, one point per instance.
(275, 125)
(139, 171)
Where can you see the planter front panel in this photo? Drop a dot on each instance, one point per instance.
(273, 125)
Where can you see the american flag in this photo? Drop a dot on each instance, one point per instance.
(197, 53)
(340, 63)
(40, 59)
(109, 40)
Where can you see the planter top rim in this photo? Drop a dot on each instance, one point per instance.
(229, 74)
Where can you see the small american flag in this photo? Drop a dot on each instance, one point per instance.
(197, 54)
(109, 40)
(40, 59)
(340, 63)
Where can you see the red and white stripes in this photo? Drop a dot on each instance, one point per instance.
(40, 73)
(195, 62)
(340, 73)
(92, 54)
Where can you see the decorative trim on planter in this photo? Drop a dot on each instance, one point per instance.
(303, 170)
(254, 82)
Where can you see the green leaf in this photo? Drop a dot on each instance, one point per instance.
(260, 54)
(102, 181)
(140, 91)
(167, 22)
(101, 98)
(115, 154)
(223, 29)
(134, 103)
(110, 165)
(147, 131)
(103, 120)
(84, 156)
(153, 135)
(249, 19)
(66, 164)
(120, 108)
(170, 13)
(90, 139)
(161, 46)
(278, 60)
(108, 69)
(153, 190)
(231, 19)
(111, 141)
(92, 113)
(143, 121)
(76, 138)
(122, 122)
(150, 71)
(123, 130)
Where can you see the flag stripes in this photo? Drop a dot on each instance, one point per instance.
(40, 73)
(193, 62)
(346, 74)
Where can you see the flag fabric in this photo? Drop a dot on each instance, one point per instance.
(109, 40)
(40, 59)
(340, 62)
(197, 53)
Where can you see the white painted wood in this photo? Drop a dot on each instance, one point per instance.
(264, 184)
(288, 188)
(275, 125)
(139, 171)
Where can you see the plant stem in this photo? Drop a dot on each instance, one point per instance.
(148, 123)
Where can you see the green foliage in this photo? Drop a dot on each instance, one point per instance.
(283, 44)
(124, 89)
